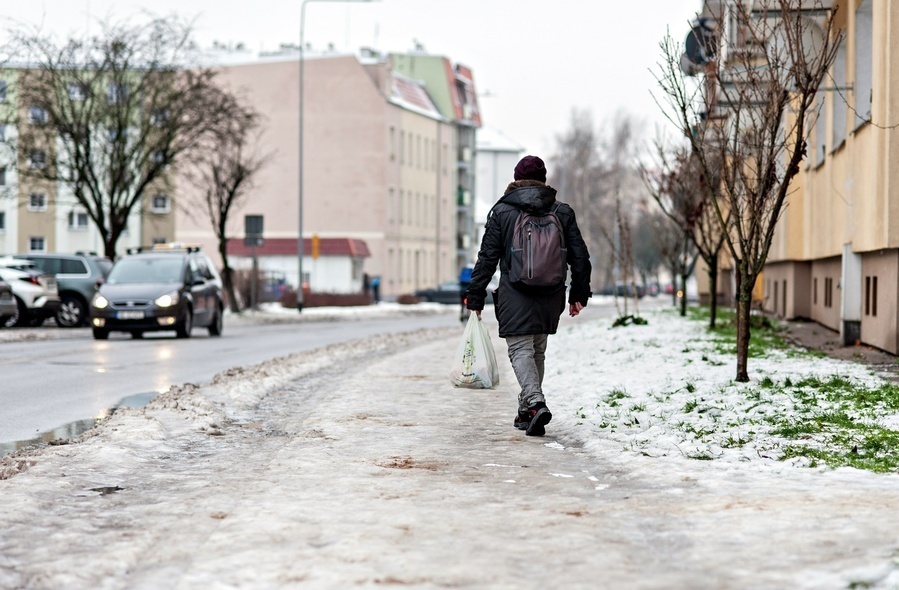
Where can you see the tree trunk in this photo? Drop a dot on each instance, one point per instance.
(683, 299)
(713, 290)
(228, 279)
(744, 308)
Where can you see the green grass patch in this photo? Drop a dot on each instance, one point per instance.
(765, 334)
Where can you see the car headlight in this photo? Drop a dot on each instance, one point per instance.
(100, 302)
(167, 300)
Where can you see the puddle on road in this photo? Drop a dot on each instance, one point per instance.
(63, 434)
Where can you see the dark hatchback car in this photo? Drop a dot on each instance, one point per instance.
(167, 288)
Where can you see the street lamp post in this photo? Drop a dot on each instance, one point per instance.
(300, 167)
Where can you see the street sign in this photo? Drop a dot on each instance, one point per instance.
(252, 229)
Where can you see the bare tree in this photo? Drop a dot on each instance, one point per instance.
(109, 116)
(750, 117)
(679, 187)
(679, 254)
(577, 174)
(225, 164)
(620, 163)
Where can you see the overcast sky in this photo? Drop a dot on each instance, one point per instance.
(533, 60)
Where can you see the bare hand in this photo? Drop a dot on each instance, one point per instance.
(574, 309)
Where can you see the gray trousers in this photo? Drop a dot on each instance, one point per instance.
(527, 354)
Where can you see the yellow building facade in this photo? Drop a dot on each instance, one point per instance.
(835, 258)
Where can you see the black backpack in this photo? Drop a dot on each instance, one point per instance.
(538, 256)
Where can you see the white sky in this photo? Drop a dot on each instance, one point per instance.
(534, 60)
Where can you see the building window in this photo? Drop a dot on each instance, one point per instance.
(78, 220)
(2, 221)
(159, 117)
(392, 144)
(37, 115)
(116, 92)
(820, 131)
(402, 147)
(37, 244)
(2, 175)
(390, 205)
(828, 292)
(774, 303)
(37, 202)
(37, 159)
(76, 91)
(160, 203)
(783, 295)
(815, 291)
(864, 26)
(838, 109)
(874, 296)
(871, 296)
(2, 90)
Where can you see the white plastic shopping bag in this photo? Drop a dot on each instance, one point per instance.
(475, 363)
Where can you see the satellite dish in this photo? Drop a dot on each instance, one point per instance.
(701, 45)
(687, 66)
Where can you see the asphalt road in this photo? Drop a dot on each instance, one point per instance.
(55, 388)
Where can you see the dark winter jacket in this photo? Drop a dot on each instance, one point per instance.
(527, 312)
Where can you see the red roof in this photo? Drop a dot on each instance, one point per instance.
(288, 247)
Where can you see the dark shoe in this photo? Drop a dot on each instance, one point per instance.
(540, 417)
(522, 420)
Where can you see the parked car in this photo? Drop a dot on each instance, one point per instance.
(171, 287)
(623, 290)
(76, 280)
(34, 290)
(450, 292)
(8, 306)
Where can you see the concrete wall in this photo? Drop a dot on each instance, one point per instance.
(880, 275)
(826, 292)
(787, 288)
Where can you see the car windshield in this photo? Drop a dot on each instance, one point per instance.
(146, 270)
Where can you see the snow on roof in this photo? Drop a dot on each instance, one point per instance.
(412, 95)
(491, 139)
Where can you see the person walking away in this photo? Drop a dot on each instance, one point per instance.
(376, 288)
(521, 231)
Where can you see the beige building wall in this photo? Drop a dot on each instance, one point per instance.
(785, 289)
(826, 294)
(849, 198)
(880, 275)
(373, 170)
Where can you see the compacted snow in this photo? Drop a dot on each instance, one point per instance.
(360, 465)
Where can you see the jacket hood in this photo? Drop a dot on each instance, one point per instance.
(531, 196)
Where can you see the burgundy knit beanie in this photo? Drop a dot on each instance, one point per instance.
(530, 168)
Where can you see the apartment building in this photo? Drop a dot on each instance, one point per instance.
(43, 216)
(379, 166)
(835, 258)
(453, 90)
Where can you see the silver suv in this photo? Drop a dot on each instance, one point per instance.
(76, 278)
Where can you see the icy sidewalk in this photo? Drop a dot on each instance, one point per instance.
(360, 465)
